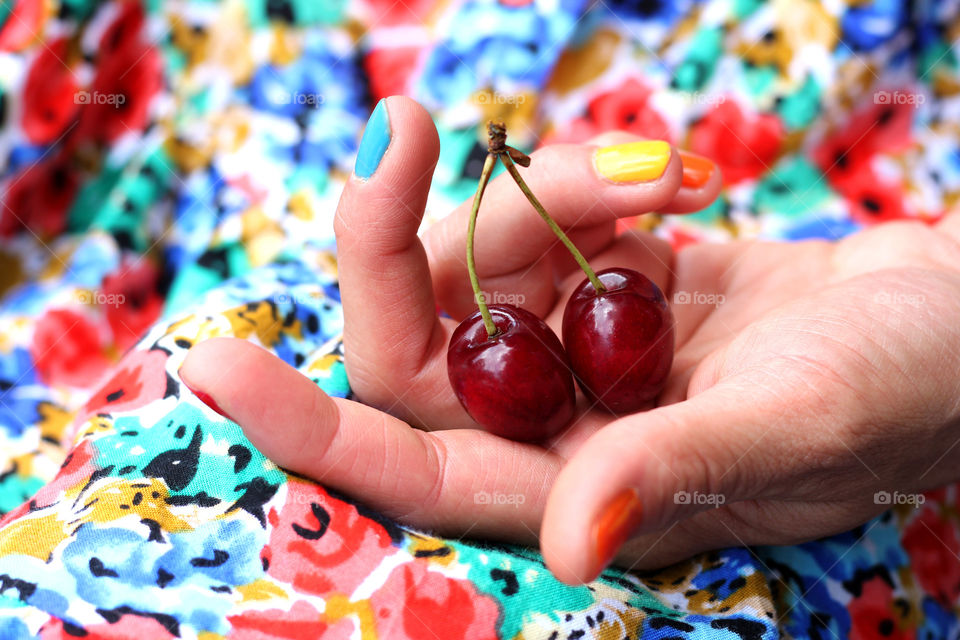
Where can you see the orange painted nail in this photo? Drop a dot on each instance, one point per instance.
(616, 524)
(696, 169)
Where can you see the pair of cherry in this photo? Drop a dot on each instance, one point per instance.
(511, 372)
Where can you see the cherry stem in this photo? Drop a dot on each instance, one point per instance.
(488, 165)
(512, 169)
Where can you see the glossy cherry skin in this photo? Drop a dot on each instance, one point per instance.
(620, 342)
(517, 384)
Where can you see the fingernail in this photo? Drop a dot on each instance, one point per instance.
(374, 143)
(696, 169)
(205, 398)
(640, 161)
(615, 525)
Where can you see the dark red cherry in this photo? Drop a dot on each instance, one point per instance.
(620, 342)
(517, 384)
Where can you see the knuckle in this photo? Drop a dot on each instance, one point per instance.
(437, 458)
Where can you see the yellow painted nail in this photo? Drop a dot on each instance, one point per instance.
(639, 161)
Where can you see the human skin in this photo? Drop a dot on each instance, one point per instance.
(819, 373)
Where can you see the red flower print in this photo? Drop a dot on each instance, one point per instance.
(389, 69)
(67, 349)
(140, 378)
(39, 196)
(417, 604)
(75, 471)
(846, 158)
(22, 25)
(323, 545)
(933, 546)
(872, 613)
(628, 108)
(871, 200)
(128, 627)
(301, 620)
(845, 152)
(49, 95)
(744, 145)
(124, 31)
(625, 108)
(132, 302)
(121, 94)
(387, 13)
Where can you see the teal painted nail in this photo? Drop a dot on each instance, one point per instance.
(374, 143)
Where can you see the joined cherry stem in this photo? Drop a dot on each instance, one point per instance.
(488, 165)
(510, 157)
(567, 242)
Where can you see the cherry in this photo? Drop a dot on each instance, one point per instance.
(510, 371)
(517, 382)
(619, 340)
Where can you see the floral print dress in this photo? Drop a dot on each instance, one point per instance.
(169, 173)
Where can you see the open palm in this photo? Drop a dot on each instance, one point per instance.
(807, 377)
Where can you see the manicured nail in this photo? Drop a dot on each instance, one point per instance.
(696, 169)
(374, 143)
(615, 525)
(640, 161)
(206, 399)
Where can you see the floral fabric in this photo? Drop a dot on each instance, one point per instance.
(170, 173)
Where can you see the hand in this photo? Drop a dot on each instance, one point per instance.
(795, 399)
(395, 342)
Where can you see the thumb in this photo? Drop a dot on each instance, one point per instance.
(643, 472)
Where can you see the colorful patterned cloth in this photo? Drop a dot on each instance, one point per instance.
(170, 172)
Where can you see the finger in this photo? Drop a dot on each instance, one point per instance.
(391, 329)
(700, 186)
(510, 236)
(701, 176)
(659, 467)
(451, 481)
